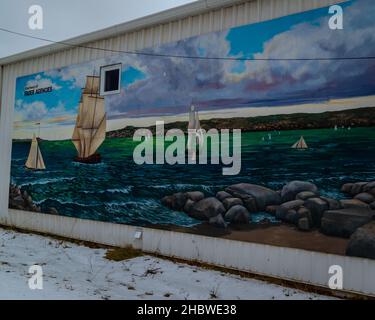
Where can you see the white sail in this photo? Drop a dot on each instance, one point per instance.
(200, 136)
(35, 159)
(196, 137)
(76, 138)
(90, 129)
(192, 118)
(92, 85)
(300, 144)
(98, 137)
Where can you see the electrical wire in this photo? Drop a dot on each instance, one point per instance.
(160, 55)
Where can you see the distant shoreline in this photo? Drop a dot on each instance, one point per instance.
(362, 117)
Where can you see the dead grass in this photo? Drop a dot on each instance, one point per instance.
(121, 254)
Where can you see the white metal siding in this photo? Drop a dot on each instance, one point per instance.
(299, 265)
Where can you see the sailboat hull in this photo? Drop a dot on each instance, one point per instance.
(95, 158)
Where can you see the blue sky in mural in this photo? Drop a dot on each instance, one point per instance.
(156, 86)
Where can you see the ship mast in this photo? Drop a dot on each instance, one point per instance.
(90, 129)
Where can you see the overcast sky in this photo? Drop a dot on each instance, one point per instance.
(70, 18)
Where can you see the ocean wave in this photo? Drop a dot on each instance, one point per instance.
(63, 202)
(91, 165)
(45, 181)
(141, 203)
(182, 186)
(125, 190)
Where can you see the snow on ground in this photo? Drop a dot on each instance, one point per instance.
(71, 271)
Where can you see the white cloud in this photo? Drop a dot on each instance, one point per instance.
(34, 111)
(38, 111)
(41, 82)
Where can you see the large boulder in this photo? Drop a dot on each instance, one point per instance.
(290, 190)
(353, 203)
(304, 224)
(332, 203)
(175, 201)
(304, 195)
(207, 208)
(369, 186)
(263, 196)
(347, 188)
(218, 221)
(362, 242)
(189, 206)
(195, 195)
(222, 195)
(365, 197)
(286, 207)
(343, 222)
(294, 215)
(316, 207)
(230, 202)
(238, 215)
(17, 201)
(357, 188)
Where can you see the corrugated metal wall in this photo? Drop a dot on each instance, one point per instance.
(214, 20)
(286, 263)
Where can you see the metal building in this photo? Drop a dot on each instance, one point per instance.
(182, 22)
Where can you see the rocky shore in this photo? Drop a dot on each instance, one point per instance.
(21, 200)
(298, 203)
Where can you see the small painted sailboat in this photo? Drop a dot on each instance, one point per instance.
(195, 133)
(35, 159)
(300, 144)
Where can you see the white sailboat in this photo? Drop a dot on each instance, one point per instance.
(300, 144)
(195, 133)
(90, 129)
(35, 159)
(336, 128)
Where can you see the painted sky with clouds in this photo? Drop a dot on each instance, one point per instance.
(155, 86)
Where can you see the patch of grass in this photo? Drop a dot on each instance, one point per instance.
(121, 254)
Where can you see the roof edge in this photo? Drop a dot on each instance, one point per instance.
(176, 13)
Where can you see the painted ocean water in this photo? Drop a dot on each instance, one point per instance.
(118, 190)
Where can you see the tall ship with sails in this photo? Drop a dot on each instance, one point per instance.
(35, 159)
(195, 133)
(90, 129)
